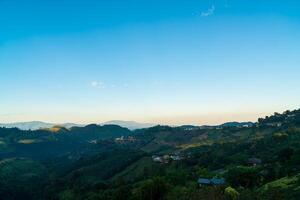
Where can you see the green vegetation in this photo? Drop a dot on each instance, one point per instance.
(284, 188)
(21, 179)
(257, 161)
(231, 193)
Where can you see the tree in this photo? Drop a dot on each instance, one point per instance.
(231, 193)
(279, 137)
(243, 176)
(121, 193)
(153, 189)
(285, 154)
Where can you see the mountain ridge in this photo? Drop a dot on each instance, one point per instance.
(35, 125)
(131, 125)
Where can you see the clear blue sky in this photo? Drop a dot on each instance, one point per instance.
(170, 62)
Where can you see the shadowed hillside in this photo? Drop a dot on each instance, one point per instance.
(247, 161)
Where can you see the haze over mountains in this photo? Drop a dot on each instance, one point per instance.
(35, 125)
(131, 125)
(108, 161)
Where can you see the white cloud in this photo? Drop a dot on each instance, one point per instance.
(98, 84)
(209, 12)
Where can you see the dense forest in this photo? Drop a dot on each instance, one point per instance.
(245, 161)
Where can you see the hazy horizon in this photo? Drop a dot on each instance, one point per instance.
(170, 62)
(212, 119)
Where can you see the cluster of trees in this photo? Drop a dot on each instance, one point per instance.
(287, 118)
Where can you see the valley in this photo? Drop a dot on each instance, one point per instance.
(231, 161)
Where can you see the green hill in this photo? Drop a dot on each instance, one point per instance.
(261, 161)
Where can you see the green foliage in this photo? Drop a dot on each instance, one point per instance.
(203, 172)
(21, 179)
(284, 188)
(87, 163)
(231, 193)
(152, 189)
(280, 136)
(67, 195)
(177, 175)
(247, 177)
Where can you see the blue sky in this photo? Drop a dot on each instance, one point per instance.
(169, 62)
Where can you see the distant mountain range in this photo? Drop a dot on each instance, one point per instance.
(35, 125)
(237, 124)
(131, 125)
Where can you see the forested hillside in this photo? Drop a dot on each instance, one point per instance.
(231, 161)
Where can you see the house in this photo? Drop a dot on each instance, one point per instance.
(123, 139)
(175, 157)
(254, 161)
(203, 181)
(161, 159)
(131, 139)
(211, 182)
(217, 181)
(275, 124)
(291, 116)
(157, 159)
(166, 158)
(120, 139)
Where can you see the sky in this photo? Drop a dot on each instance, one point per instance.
(159, 61)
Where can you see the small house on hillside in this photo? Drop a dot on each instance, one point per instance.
(211, 182)
(254, 161)
(217, 181)
(157, 159)
(176, 157)
(120, 139)
(274, 124)
(203, 181)
(123, 139)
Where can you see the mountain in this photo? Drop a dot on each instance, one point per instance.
(35, 125)
(96, 132)
(237, 124)
(111, 162)
(57, 141)
(132, 125)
